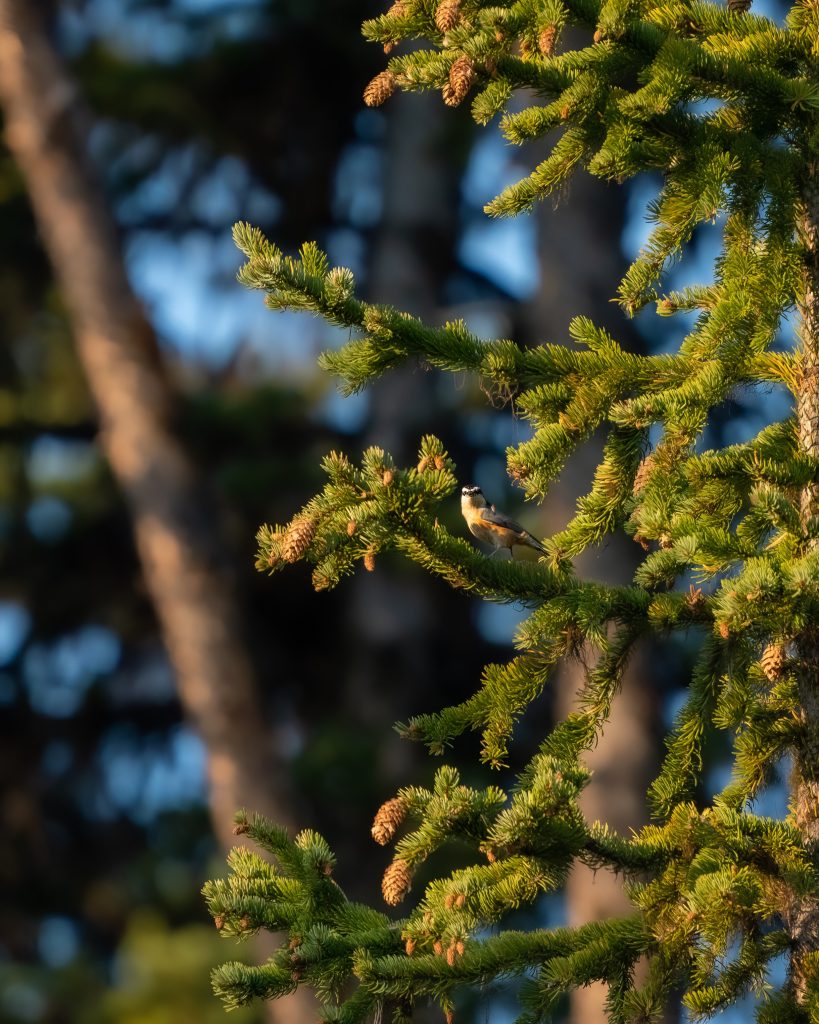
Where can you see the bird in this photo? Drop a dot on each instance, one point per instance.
(493, 527)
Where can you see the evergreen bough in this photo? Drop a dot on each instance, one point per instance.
(724, 106)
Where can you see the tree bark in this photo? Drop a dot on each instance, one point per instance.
(802, 915)
(185, 570)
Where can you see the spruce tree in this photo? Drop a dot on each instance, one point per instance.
(723, 106)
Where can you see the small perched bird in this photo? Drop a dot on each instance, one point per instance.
(493, 527)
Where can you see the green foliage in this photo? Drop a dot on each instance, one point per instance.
(716, 889)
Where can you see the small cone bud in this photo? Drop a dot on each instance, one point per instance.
(461, 77)
(244, 922)
(447, 15)
(546, 40)
(351, 527)
(440, 462)
(424, 464)
(599, 35)
(409, 946)
(438, 947)
(460, 948)
(773, 661)
(449, 901)
(694, 598)
(369, 562)
(396, 882)
(380, 89)
(241, 828)
(460, 899)
(387, 477)
(724, 631)
(388, 820)
(321, 581)
(567, 423)
(298, 538)
(219, 921)
(499, 35)
(449, 1017)
(490, 856)
(450, 955)
(398, 9)
(739, 6)
(389, 47)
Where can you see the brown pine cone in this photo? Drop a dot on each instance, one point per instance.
(461, 77)
(447, 15)
(644, 471)
(380, 89)
(396, 882)
(388, 819)
(773, 661)
(546, 40)
(298, 538)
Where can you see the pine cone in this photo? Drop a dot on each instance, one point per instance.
(380, 89)
(298, 538)
(773, 661)
(398, 9)
(396, 882)
(447, 15)
(388, 820)
(461, 77)
(546, 40)
(739, 6)
(644, 471)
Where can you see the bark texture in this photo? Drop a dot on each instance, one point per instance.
(183, 562)
(802, 915)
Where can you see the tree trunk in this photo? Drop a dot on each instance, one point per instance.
(802, 916)
(183, 563)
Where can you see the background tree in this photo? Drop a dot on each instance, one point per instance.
(102, 790)
(719, 892)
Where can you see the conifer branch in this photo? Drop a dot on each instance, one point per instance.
(723, 103)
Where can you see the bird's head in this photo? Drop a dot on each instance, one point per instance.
(472, 497)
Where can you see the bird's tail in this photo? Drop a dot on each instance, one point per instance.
(527, 543)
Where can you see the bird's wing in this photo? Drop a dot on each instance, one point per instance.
(491, 515)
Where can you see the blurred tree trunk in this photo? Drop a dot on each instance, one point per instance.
(176, 530)
(581, 262)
